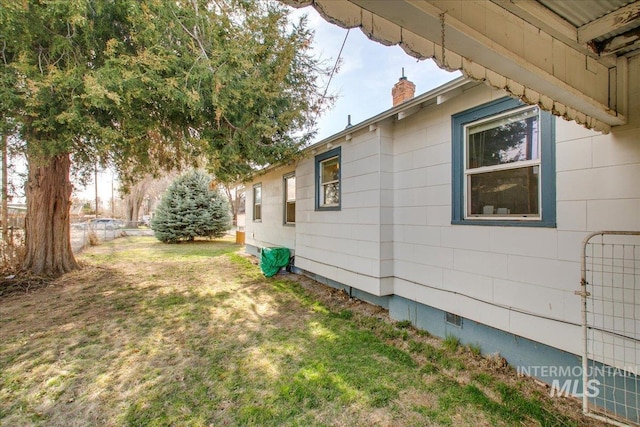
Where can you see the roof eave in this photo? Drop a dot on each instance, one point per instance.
(432, 95)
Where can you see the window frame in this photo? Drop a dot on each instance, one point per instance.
(546, 163)
(319, 160)
(286, 201)
(254, 204)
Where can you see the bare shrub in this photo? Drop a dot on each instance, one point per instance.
(93, 240)
(12, 252)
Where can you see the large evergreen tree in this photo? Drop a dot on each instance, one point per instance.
(190, 208)
(148, 84)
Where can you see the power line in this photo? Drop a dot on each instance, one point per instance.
(333, 70)
(335, 66)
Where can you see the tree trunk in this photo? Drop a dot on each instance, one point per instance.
(47, 231)
(234, 202)
(133, 201)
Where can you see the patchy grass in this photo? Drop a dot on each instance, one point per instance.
(192, 334)
(475, 349)
(451, 343)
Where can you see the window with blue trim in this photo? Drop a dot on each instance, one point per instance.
(328, 180)
(504, 165)
(257, 202)
(290, 198)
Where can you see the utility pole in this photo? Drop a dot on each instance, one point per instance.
(96, 183)
(5, 180)
(113, 208)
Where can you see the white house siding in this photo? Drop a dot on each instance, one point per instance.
(345, 245)
(271, 230)
(517, 279)
(393, 234)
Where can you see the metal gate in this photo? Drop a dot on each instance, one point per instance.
(610, 291)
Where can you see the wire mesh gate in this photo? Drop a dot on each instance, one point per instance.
(610, 291)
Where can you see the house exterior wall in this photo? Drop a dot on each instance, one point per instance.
(345, 245)
(394, 234)
(517, 279)
(270, 231)
(510, 278)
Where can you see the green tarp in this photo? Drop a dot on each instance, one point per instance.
(273, 259)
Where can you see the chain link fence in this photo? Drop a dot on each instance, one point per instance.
(85, 234)
(610, 294)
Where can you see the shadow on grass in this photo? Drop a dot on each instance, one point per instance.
(204, 339)
(269, 368)
(121, 350)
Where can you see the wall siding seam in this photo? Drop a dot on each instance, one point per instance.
(493, 304)
(344, 269)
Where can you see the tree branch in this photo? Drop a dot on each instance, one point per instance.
(195, 37)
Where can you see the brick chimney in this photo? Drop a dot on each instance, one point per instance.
(403, 90)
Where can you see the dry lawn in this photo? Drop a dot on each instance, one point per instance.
(148, 334)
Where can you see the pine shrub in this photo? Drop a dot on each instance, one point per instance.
(190, 209)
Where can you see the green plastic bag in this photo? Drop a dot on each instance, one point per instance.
(273, 259)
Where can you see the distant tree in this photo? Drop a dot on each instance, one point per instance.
(88, 209)
(236, 196)
(145, 85)
(191, 208)
(149, 187)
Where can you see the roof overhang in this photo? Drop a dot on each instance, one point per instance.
(529, 48)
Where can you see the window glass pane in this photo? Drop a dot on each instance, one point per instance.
(291, 212)
(504, 140)
(511, 192)
(330, 169)
(331, 192)
(257, 202)
(327, 180)
(291, 188)
(290, 199)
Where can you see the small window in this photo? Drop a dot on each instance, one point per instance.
(257, 202)
(504, 165)
(290, 199)
(328, 180)
(453, 319)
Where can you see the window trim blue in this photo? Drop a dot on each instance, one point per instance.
(336, 152)
(547, 163)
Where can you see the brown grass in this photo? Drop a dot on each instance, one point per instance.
(193, 334)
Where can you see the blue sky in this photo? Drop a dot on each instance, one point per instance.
(368, 72)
